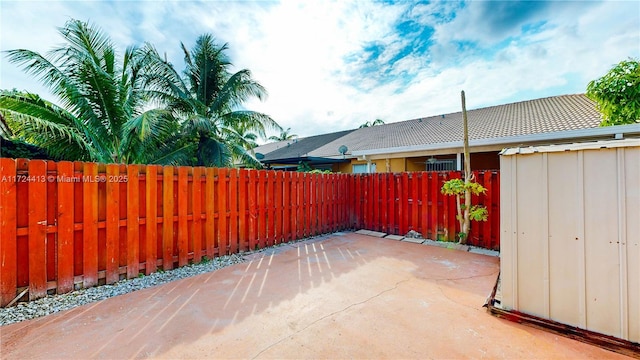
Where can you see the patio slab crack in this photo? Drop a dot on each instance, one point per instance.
(330, 315)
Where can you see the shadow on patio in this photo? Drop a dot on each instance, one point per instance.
(340, 296)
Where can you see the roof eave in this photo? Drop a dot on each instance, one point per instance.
(632, 129)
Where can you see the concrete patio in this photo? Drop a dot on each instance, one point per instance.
(340, 296)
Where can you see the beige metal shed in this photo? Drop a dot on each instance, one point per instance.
(570, 234)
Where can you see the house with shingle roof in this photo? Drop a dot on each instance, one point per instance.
(288, 154)
(435, 142)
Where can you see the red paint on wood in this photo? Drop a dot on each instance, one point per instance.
(494, 212)
(112, 249)
(8, 229)
(243, 243)
(376, 223)
(333, 192)
(293, 215)
(37, 179)
(300, 225)
(90, 225)
(415, 200)
(310, 201)
(391, 205)
(99, 223)
(384, 202)
(223, 196)
(65, 218)
(424, 204)
(253, 210)
(133, 220)
(51, 218)
(151, 219)
(167, 217)
(233, 211)
(434, 193)
(270, 216)
(262, 211)
(209, 204)
(183, 215)
(279, 211)
(286, 207)
(403, 202)
(78, 196)
(196, 199)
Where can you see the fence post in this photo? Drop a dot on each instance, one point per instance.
(65, 216)
(8, 230)
(233, 211)
(223, 196)
(242, 209)
(196, 200)
(90, 225)
(167, 218)
(151, 219)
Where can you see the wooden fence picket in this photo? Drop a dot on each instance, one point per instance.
(209, 204)
(71, 224)
(196, 197)
(167, 217)
(8, 231)
(233, 211)
(66, 219)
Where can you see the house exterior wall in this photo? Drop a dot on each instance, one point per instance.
(570, 250)
(416, 163)
(397, 165)
(479, 161)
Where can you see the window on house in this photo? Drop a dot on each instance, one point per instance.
(362, 168)
(441, 165)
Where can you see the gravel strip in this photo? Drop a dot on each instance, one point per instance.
(54, 303)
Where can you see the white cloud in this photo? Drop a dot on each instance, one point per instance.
(309, 54)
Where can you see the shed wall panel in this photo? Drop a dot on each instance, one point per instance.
(564, 241)
(570, 221)
(632, 228)
(530, 248)
(601, 246)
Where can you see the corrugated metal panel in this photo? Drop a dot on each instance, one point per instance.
(570, 235)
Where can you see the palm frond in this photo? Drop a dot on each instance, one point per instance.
(61, 141)
(172, 153)
(213, 152)
(237, 90)
(251, 121)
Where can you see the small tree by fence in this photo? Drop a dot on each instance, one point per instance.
(71, 224)
(401, 202)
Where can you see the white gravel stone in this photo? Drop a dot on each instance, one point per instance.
(59, 302)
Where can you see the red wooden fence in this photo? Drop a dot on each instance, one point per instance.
(401, 202)
(66, 225)
(71, 224)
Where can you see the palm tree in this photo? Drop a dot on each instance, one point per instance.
(101, 114)
(284, 135)
(207, 102)
(371, 123)
(240, 136)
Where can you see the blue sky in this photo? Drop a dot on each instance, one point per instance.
(332, 65)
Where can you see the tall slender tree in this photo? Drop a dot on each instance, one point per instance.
(284, 135)
(207, 101)
(372, 123)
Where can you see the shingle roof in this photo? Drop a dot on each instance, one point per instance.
(552, 114)
(546, 115)
(269, 147)
(298, 148)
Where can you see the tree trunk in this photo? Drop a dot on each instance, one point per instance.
(466, 223)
